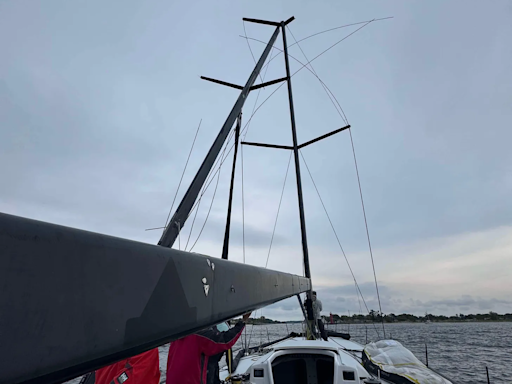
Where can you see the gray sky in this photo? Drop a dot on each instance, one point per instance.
(99, 103)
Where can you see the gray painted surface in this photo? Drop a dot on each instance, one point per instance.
(72, 301)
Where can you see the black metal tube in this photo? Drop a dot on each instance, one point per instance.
(309, 307)
(487, 370)
(296, 157)
(225, 247)
(426, 354)
(289, 20)
(222, 82)
(254, 87)
(267, 145)
(302, 307)
(257, 21)
(323, 136)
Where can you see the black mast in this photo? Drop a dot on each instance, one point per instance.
(295, 148)
(309, 307)
(296, 158)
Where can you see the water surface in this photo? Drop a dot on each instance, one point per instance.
(461, 351)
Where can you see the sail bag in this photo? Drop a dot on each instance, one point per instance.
(395, 363)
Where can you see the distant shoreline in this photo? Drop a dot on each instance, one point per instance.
(396, 322)
(432, 322)
(375, 317)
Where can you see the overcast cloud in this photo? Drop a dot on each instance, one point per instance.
(99, 103)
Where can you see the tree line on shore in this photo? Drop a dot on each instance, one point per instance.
(405, 317)
(376, 316)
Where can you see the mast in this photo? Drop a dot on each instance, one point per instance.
(305, 251)
(310, 319)
(295, 148)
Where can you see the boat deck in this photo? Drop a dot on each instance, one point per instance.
(345, 354)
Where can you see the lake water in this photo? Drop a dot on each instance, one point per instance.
(461, 351)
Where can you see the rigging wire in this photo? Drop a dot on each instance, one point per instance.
(221, 159)
(329, 92)
(208, 214)
(205, 187)
(335, 234)
(247, 124)
(217, 164)
(252, 328)
(342, 114)
(367, 231)
(179, 184)
(184, 169)
(327, 30)
(358, 179)
(209, 180)
(250, 49)
(324, 86)
(257, 95)
(360, 308)
(246, 128)
(343, 117)
(211, 204)
(305, 66)
(342, 26)
(192, 226)
(179, 237)
(279, 207)
(197, 203)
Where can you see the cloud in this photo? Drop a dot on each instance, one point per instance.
(444, 275)
(349, 304)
